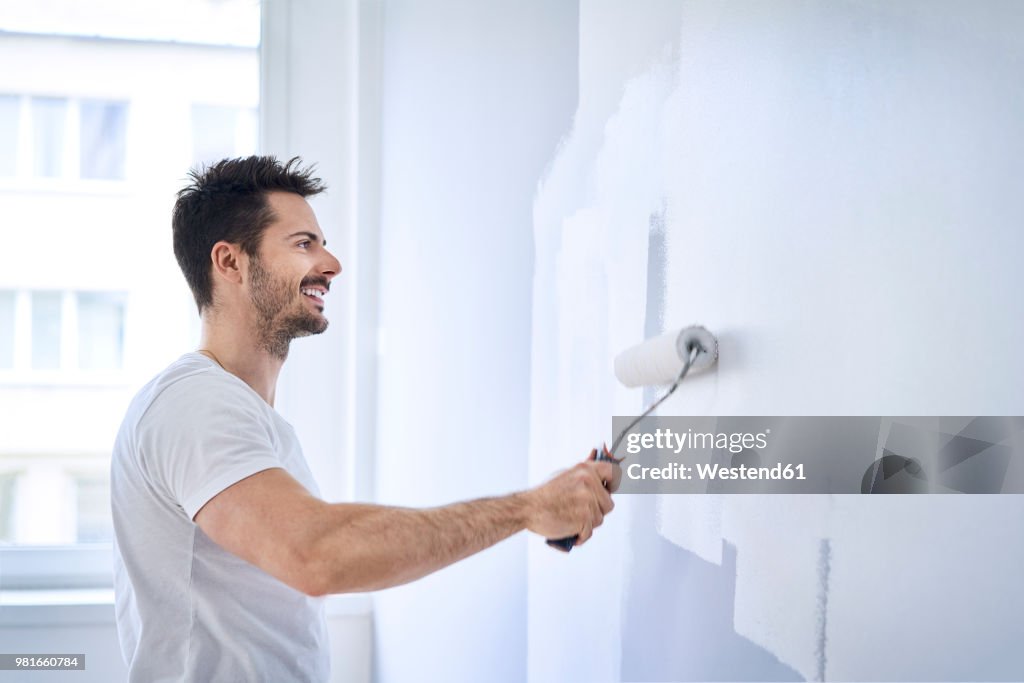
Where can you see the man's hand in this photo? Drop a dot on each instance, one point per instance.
(573, 502)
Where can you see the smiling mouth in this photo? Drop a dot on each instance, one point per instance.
(315, 294)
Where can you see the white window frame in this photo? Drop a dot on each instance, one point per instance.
(65, 567)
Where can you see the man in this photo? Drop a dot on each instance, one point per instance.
(223, 548)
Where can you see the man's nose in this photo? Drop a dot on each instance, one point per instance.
(331, 266)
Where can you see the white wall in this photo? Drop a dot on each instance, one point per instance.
(475, 97)
(837, 184)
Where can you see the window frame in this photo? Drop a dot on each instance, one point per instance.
(340, 129)
(56, 567)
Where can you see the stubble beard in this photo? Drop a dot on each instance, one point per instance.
(278, 319)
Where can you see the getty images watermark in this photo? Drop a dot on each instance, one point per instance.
(822, 455)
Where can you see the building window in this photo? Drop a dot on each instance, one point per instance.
(67, 139)
(102, 134)
(46, 330)
(10, 112)
(6, 329)
(49, 120)
(66, 331)
(100, 330)
(77, 512)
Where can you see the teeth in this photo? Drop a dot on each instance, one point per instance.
(312, 292)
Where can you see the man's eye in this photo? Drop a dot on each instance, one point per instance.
(305, 244)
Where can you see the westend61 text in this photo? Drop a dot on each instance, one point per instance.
(706, 471)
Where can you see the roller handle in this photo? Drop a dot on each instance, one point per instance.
(566, 544)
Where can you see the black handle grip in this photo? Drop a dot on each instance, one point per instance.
(563, 544)
(566, 544)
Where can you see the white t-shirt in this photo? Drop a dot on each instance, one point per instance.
(188, 610)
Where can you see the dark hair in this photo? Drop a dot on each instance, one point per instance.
(228, 201)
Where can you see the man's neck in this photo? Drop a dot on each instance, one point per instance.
(242, 355)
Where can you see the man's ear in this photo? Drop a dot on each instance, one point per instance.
(226, 258)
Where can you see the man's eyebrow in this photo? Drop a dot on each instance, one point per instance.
(313, 236)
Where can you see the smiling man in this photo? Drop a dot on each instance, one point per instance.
(223, 547)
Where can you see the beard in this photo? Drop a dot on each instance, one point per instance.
(279, 316)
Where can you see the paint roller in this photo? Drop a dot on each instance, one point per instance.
(663, 360)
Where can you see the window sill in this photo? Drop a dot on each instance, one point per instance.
(50, 607)
(67, 379)
(96, 606)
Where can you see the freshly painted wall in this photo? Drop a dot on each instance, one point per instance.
(474, 99)
(833, 189)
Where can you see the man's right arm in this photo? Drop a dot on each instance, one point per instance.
(272, 521)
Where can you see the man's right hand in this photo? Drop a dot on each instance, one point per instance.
(574, 502)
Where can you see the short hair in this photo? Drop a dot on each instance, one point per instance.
(228, 201)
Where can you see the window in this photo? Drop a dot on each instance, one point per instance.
(67, 138)
(6, 329)
(91, 153)
(10, 112)
(49, 119)
(72, 365)
(102, 139)
(100, 330)
(46, 328)
(63, 330)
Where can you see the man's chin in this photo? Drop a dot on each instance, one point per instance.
(308, 326)
(319, 329)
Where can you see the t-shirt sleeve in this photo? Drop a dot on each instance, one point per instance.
(202, 435)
